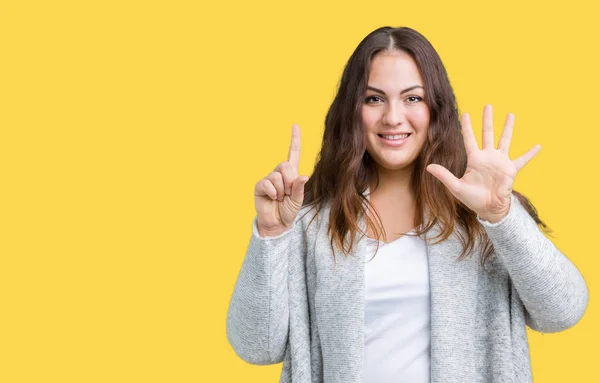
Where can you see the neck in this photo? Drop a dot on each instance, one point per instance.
(396, 183)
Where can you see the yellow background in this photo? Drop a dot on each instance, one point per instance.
(133, 133)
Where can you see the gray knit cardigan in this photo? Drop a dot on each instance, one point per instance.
(292, 303)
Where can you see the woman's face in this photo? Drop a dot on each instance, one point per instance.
(394, 104)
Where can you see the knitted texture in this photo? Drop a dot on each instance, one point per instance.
(293, 304)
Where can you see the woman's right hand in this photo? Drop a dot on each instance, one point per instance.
(278, 197)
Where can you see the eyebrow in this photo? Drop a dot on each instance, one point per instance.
(403, 91)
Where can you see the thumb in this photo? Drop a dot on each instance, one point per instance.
(445, 176)
(298, 189)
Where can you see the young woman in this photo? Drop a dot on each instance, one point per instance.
(406, 256)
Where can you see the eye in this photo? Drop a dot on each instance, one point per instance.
(370, 98)
(415, 99)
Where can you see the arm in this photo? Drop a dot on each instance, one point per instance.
(551, 288)
(258, 315)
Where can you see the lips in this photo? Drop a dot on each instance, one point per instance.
(393, 142)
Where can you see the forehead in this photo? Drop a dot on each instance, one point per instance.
(394, 70)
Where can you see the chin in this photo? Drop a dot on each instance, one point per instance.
(396, 166)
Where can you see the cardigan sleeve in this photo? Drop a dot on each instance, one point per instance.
(258, 315)
(551, 288)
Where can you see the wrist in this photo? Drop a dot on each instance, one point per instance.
(273, 232)
(494, 217)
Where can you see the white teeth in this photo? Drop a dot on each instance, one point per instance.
(396, 137)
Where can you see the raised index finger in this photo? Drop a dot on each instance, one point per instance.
(294, 154)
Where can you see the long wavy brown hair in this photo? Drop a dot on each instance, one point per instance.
(344, 168)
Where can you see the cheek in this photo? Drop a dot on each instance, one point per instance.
(420, 117)
(369, 117)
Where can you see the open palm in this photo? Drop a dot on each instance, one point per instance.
(488, 180)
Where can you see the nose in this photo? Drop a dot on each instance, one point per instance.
(394, 114)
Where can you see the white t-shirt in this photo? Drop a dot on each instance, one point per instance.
(397, 312)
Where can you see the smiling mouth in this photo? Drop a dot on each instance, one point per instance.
(397, 137)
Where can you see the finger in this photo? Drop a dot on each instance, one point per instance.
(447, 178)
(488, 128)
(468, 136)
(289, 174)
(525, 158)
(294, 153)
(265, 187)
(504, 143)
(298, 189)
(277, 179)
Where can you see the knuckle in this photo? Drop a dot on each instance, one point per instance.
(283, 166)
(274, 176)
(265, 183)
(289, 171)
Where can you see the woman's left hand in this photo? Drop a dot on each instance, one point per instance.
(488, 180)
